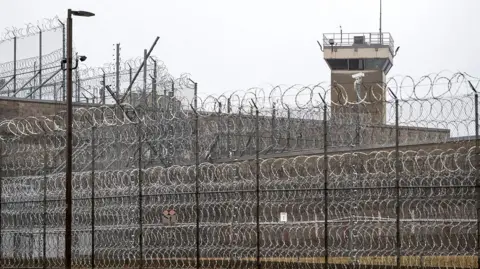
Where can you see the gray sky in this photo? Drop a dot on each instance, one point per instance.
(230, 45)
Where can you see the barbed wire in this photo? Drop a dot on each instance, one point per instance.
(231, 222)
(44, 25)
(148, 153)
(27, 65)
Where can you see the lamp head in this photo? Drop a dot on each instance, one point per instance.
(396, 51)
(320, 45)
(82, 13)
(82, 58)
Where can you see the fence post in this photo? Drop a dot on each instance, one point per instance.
(117, 71)
(40, 63)
(34, 81)
(130, 79)
(1, 203)
(14, 66)
(92, 178)
(288, 127)
(44, 224)
(77, 94)
(257, 178)
(218, 145)
(64, 57)
(104, 86)
(197, 185)
(140, 191)
(477, 178)
(55, 91)
(397, 184)
(154, 84)
(274, 117)
(229, 110)
(144, 92)
(325, 177)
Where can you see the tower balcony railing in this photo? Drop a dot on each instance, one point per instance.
(359, 39)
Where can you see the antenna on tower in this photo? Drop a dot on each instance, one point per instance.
(381, 36)
(341, 35)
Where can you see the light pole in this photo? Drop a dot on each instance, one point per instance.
(69, 151)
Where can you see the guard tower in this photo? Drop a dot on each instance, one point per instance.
(368, 57)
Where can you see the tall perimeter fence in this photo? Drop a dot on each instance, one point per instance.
(30, 67)
(276, 178)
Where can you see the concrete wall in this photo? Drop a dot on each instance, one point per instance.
(372, 109)
(20, 108)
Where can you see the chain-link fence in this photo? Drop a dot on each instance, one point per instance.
(31, 67)
(279, 178)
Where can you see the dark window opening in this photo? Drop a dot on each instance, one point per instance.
(355, 64)
(374, 64)
(338, 64)
(389, 66)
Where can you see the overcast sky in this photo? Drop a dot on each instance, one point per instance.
(228, 45)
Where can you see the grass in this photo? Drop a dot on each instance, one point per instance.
(413, 261)
(416, 261)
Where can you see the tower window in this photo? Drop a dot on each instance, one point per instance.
(355, 64)
(338, 64)
(374, 64)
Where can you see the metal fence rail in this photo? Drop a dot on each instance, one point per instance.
(206, 182)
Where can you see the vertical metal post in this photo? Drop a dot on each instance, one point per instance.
(477, 178)
(64, 90)
(44, 224)
(380, 29)
(274, 114)
(55, 91)
(140, 192)
(477, 174)
(144, 93)
(92, 178)
(325, 179)
(353, 257)
(102, 94)
(397, 185)
(197, 171)
(77, 78)
(40, 65)
(117, 71)
(14, 66)
(69, 150)
(34, 81)
(154, 85)
(288, 128)
(229, 110)
(257, 179)
(1, 203)
(220, 118)
(130, 82)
